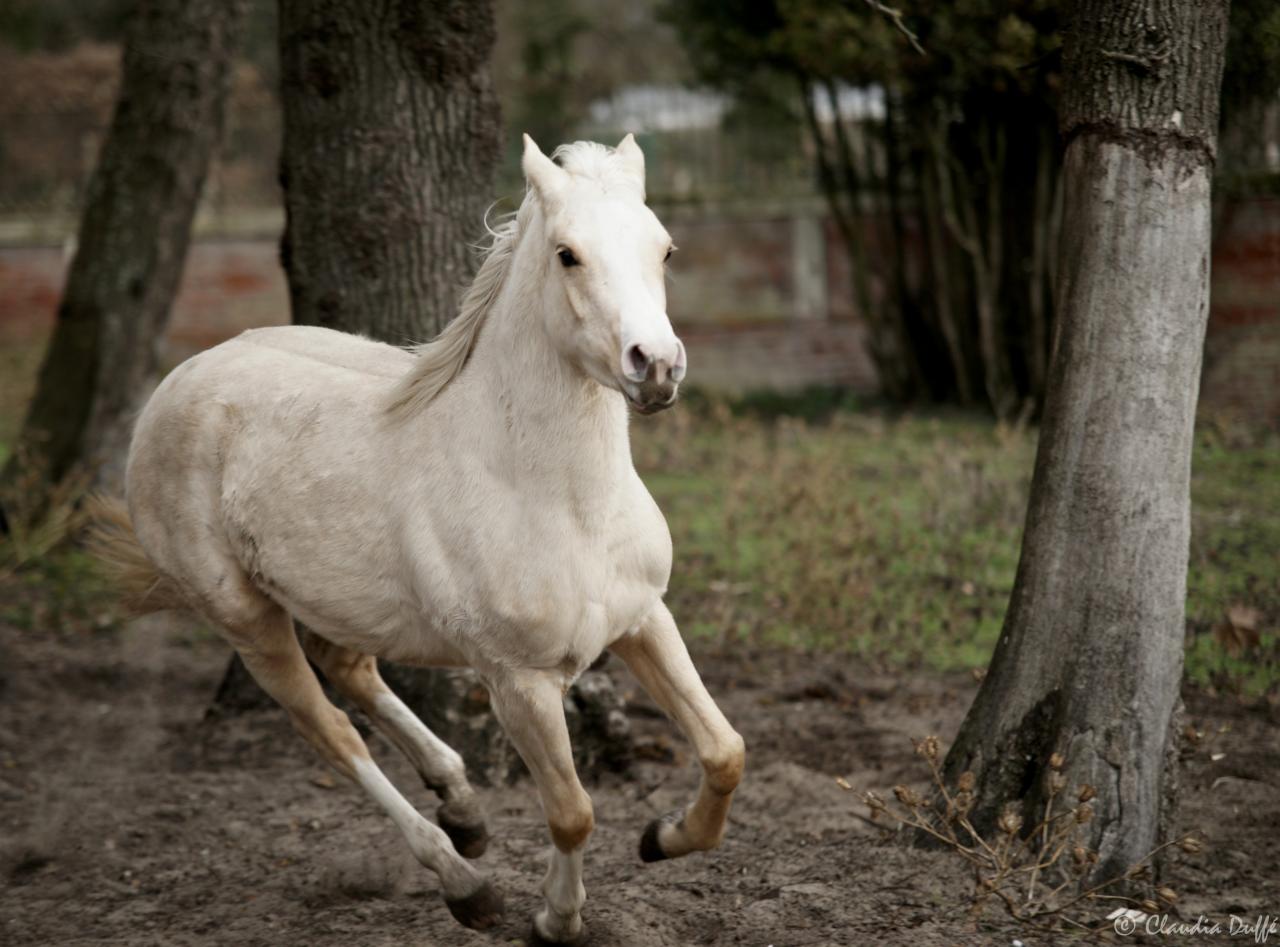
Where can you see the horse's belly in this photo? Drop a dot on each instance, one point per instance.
(381, 625)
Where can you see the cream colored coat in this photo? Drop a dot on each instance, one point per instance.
(472, 502)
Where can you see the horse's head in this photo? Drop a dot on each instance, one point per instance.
(602, 254)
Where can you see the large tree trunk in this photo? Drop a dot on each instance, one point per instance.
(102, 359)
(1090, 659)
(391, 138)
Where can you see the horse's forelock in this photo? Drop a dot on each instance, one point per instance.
(597, 162)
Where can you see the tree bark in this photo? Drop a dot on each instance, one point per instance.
(102, 360)
(391, 138)
(1090, 659)
(1037, 304)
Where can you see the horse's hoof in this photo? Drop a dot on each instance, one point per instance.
(479, 910)
(537, 940)
(650, 847)
(470, 839)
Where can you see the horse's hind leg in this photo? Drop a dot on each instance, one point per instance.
(657, 656)
(272, 654)
(356, 677)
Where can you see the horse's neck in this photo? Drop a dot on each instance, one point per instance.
(544, 417)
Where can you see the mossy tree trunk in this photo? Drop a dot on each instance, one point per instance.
(102, 360)
(1090, 659)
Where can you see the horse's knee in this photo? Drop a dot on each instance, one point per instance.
(572, 824)
(724, 767)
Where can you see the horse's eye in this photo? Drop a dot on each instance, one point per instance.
(566, 257)
(670, 250)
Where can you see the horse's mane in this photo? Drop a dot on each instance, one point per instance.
(439, 361)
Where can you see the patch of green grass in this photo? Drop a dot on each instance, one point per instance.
(814, 523)
(896, 538)
(1234, 563)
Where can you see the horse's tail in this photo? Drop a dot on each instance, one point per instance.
(112, 541)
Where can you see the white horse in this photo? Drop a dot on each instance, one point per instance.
(472, 502)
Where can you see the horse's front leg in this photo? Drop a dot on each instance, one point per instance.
(658, 657)
(530, 706)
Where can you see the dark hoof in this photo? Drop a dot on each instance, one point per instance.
(650, 845)
(469, 839)
(537, 940)
(478, 911)
(650, 848)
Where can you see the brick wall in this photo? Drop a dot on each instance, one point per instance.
(227, 286)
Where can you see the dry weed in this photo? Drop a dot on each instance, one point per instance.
(39, 517)
(1040, 874)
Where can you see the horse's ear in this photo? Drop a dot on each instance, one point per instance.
(632, 158)
(546, 177)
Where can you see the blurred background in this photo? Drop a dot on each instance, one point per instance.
(866, 233)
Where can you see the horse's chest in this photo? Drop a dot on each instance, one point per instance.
(573, 593)
(600, 589)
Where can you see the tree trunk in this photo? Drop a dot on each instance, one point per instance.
(1090, 659)
(391, 138)
(102, 360)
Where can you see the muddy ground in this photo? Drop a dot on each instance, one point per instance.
(127, 818)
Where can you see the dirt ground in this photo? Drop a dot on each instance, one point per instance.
(127, 818)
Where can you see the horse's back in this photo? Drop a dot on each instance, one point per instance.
(339, 350)
(265, 383)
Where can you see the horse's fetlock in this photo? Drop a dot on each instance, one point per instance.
(711, 842)
(564, 904)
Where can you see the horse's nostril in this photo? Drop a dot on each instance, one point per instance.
(638, 360)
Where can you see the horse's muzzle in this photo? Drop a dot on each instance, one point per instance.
(653, 403)
(657, 391)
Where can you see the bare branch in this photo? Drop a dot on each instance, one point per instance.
(895, 17)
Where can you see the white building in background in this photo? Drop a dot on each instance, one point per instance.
(669, 108)
(659, 108)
